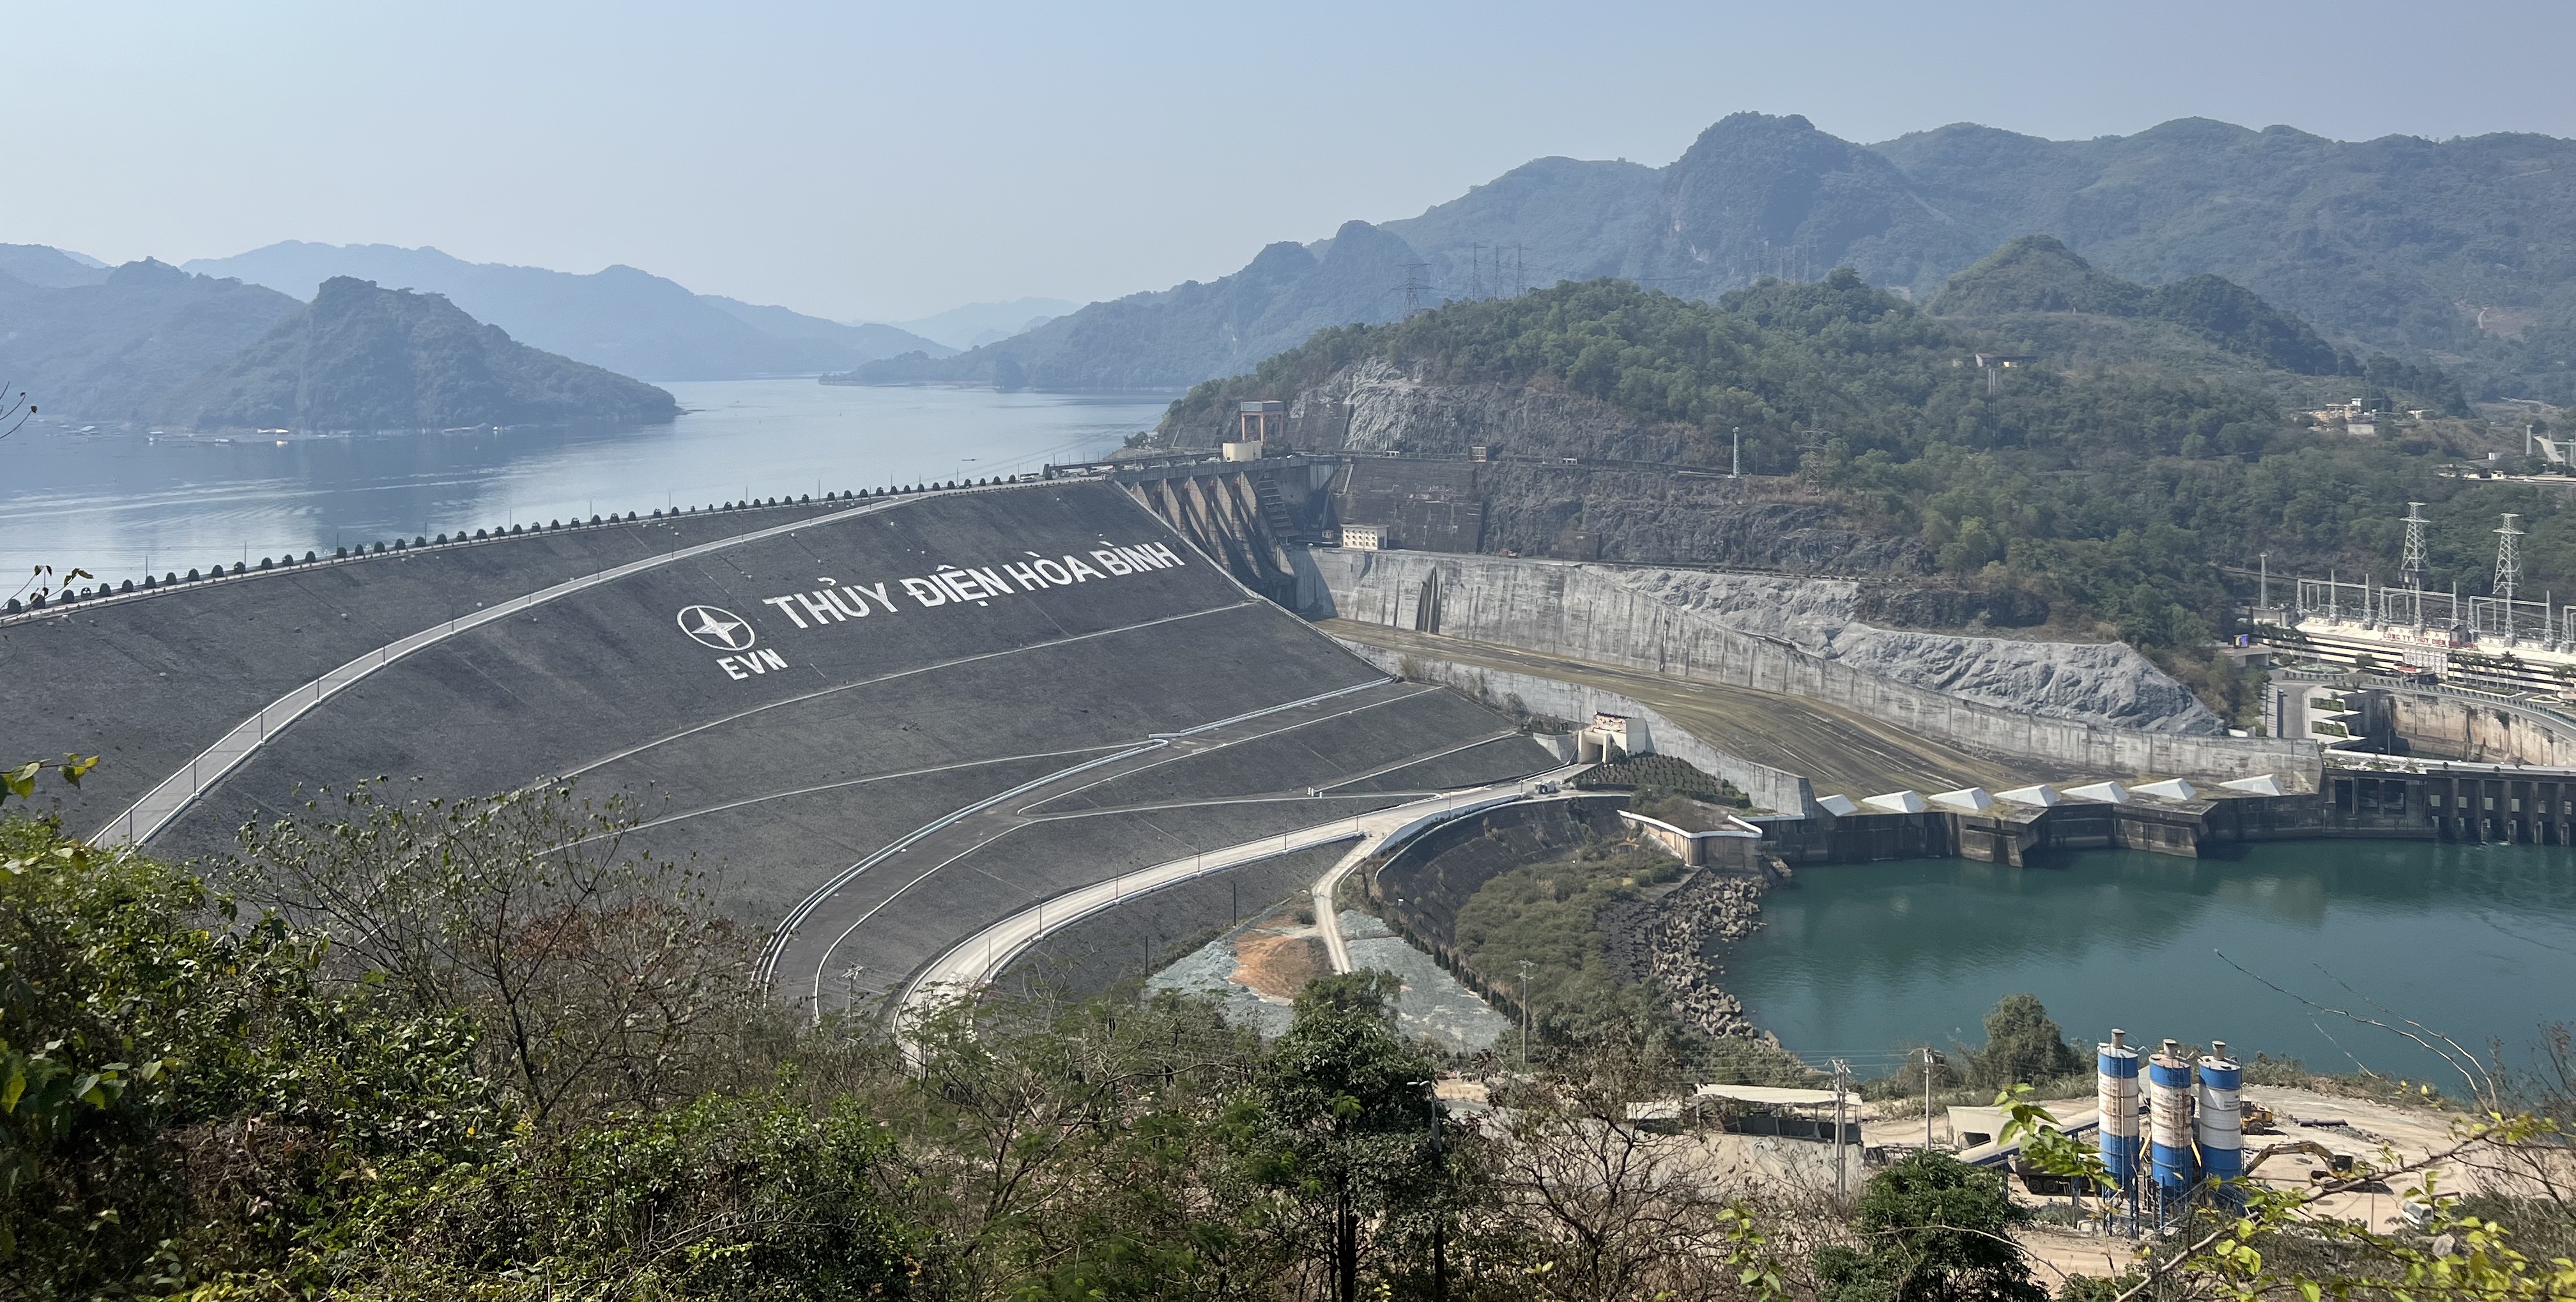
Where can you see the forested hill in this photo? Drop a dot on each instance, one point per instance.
(111, 347)
(2458, 252)
(2116, 490)
(2015, 291)
(365, 358)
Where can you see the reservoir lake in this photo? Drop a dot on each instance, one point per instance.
(115, 502)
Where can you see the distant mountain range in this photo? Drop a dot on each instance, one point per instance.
(50, 268)
(1179, 336)
(361, 357)
(2460, 251)
(983, 323)
(625, 320)
(149, 342)
(109, 346)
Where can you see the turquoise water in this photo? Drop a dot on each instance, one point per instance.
(2478, 942)
(114, 501)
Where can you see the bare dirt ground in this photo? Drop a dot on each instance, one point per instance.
(1277, 957)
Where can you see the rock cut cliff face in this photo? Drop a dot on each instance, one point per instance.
(1386, 408)
(2105, 683)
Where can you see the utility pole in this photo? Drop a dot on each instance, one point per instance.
(1439, 1226)
(2265, 599)
(1929, 1058)
(1527, 1020)
(1842, 1074)
(1738, 471)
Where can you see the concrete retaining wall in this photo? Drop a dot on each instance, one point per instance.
(1770, 788)
(2462, 728)
(1565, 609)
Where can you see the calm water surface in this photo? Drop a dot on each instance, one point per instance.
(113, 503)
(2475, 941)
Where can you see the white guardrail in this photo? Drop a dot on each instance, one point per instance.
(972, 963)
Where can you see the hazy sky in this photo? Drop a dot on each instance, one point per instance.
(888, 161)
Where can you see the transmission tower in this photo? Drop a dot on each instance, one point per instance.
(1475, 271)
(1520, 273)
(2412, 566)
(2508, 567)
(1413, 287)
(2410, 569)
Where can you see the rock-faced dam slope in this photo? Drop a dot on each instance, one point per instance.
(886, 722)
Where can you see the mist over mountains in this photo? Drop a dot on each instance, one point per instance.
(976, 324)
(49, 268)
(628, 321)
(109, 347)
(362, 357)
(2461, 251)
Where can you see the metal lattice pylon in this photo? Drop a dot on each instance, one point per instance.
(2508, 567)
(2410, 568)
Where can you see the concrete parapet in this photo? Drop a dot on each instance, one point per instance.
(1733, 846)
(1567, 609)
(1768, 787)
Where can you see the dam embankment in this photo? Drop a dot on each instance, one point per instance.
(882, 722)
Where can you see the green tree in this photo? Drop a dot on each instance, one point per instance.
(1343, 1124)
(749, 1196)
(1931, 1230)
(597, 978)
(2022, 1045)
(179, 1094)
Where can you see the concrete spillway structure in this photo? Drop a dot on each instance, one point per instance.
(888, 722)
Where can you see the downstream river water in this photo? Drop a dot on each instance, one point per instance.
(2478, 942)
(113, 502)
